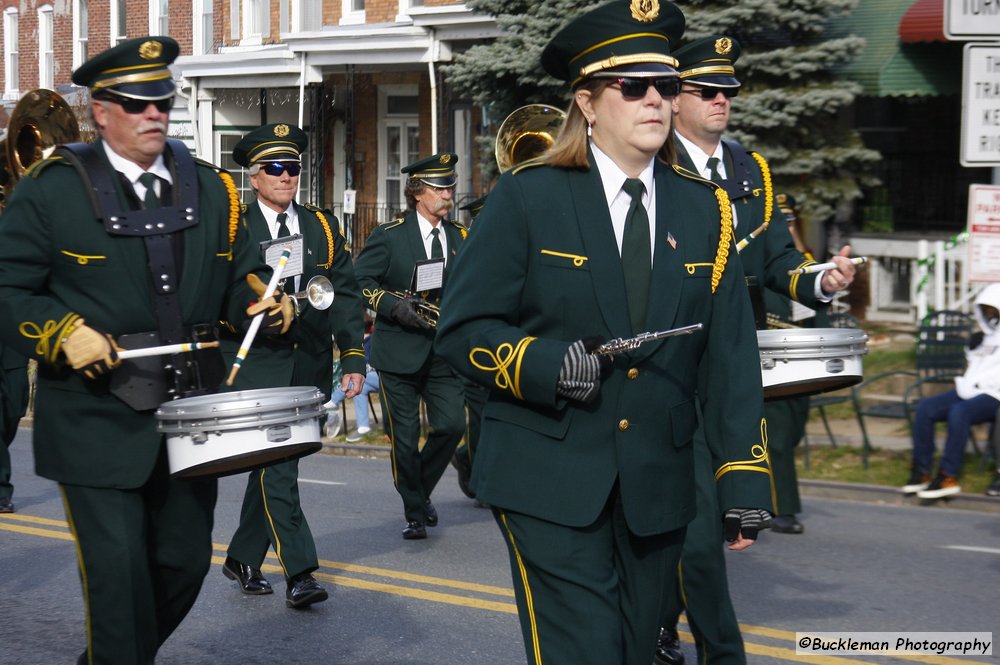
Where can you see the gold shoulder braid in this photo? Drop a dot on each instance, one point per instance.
(329, 235)
(725, 236)
(765, 174)
(234, 208)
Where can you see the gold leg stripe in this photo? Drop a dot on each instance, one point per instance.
(528, 600)
(270, 523)
(84, 581)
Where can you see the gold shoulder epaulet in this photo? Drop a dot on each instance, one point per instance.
(37, 167)
(461, 228)
(531, 163)
(393, 223)
(691, 175)
(201, 162)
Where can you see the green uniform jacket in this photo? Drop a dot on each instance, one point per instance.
(542, 269)
(306, 357)
(770, 255)
(386, 264)
(58, 264)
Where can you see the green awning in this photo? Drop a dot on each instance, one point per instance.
(886, 67)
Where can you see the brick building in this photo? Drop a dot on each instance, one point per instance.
(361, 76)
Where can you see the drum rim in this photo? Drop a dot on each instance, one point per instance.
(240, 401)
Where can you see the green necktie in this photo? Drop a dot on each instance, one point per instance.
(150, 200)
(436, 251)
(283, 231)
(636, 257)
(713, 169)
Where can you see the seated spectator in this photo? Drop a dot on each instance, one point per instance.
(974, 400)
(994, 489)
(333, 418)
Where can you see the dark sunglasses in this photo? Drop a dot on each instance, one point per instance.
(136, 106)
(277, 168)
(709, 94)
(635, 88)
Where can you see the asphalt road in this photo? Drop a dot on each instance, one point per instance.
(448, 601)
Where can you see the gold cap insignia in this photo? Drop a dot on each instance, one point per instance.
(150, 50)
(723, 45)
(645, 10)
(445, 158)
(281, 131)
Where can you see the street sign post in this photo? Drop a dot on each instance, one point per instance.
(980, 105)
(984, 233)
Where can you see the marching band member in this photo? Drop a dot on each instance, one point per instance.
(588, 465)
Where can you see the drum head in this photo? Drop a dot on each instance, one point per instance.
(810, 386)
(241, 463)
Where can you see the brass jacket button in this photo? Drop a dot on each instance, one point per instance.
(632, 373)
(623, 424)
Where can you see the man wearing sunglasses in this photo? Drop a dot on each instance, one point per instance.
(701, 116)
(100, 250)
(272, 515)
(402, 342)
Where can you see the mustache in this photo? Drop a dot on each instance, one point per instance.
(150, 125)
(444, 205)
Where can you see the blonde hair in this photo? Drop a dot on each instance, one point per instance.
(569, 151)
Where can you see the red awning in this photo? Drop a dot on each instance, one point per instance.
(923, 22)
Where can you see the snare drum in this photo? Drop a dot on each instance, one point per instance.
(807, 361)
(227, 433)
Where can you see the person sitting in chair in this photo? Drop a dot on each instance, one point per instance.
(974, 400)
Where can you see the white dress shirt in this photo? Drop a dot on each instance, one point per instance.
(619, 201)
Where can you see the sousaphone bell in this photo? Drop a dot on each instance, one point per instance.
(527, 133)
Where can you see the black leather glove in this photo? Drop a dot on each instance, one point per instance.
(405, 314)
(580, 375)
(746, 522)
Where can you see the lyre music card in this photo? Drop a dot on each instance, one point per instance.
(428, 275)
(271, 250)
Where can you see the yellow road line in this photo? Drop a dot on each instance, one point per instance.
(782, 653)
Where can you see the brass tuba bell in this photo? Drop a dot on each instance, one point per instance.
(40, 121)
(527, 133)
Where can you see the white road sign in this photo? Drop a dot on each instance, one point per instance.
(984, 233)
(971, 19)
(980, 105)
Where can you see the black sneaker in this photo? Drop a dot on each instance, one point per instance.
(994, 489)
(943, 485)
(919, 480)
(668, 648)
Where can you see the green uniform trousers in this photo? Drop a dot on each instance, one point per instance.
(143, 554)
(475, 400)
(272, 517)
(786, 423)
(594, 579)
(704, 590)
(416, 471)
(13, 404)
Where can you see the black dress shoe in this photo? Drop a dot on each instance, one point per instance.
(430, 513)
(303, 591)
(786, 524)
(668, 648)
(6, 506)
(414, 531)
(250, 579)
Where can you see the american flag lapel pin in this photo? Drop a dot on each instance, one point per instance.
(671, 240)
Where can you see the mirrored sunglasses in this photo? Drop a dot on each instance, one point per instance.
(709, 93)
(635, 88)
(136, 106)
(277, 168)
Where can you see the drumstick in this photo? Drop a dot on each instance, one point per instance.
(166, 349)
(753, 234)
(820, 267)
(255, 323)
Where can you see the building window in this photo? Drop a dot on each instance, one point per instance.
(118, 15)
(46, 56)
(159, 15)
(353, 12)
(11, 60)
(255, 20)
(204, 27)
(310, 15)
(399, 143)
(81, 28)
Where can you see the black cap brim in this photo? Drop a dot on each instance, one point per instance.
(147, 90)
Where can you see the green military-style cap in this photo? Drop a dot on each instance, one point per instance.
(437, 170)
(136, 68)
(709, 61)
(620, 38)
(786, 203)
(276, 142)
(474, 206)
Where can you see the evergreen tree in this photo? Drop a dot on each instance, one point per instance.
(791, 108)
